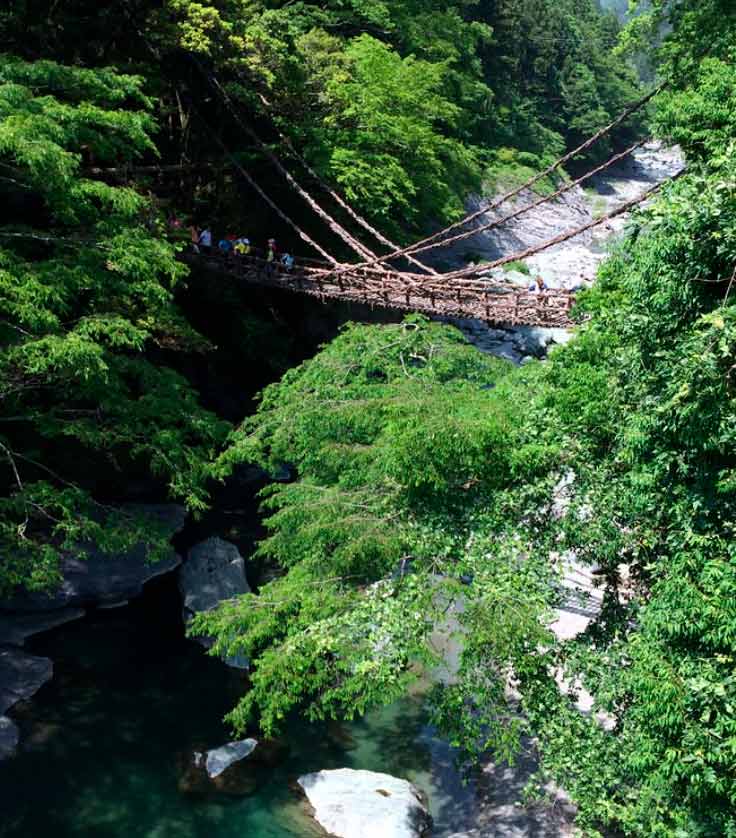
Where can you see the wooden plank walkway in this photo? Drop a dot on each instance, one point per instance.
(496, 303)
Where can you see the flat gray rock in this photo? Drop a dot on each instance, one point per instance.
(220, 759)
(8, 738)
(15, 629)
(364, 804)
(21, 676)
(102, 578)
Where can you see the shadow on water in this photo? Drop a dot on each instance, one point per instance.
(131, 698)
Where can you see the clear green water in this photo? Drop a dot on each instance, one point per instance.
(105, 740)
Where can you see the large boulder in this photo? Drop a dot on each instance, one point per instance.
(21, 676)
(214, 571)
(103, 579)
(364, 804)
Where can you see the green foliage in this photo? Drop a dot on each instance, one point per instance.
(383, 122)
(85, 288)
(519, 267)
(403, 451)
(642, 402)
(555, 76)
(696, 55)
(409, 474)
(421, 519)
(404, 104)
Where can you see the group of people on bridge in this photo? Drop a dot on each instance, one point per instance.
(231, 245)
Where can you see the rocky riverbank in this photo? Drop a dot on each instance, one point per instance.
(570, 265)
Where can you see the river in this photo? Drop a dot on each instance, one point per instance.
(105, 742)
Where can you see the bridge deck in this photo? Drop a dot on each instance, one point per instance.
(497, 304)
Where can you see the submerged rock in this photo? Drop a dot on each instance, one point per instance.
(21, 676)
(365, 804)
(221, 771)
(8, 738)
(220, 759)
(214, 571)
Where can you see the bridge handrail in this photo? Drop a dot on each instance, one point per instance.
(320, 275)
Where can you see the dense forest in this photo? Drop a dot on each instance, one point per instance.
(426, 473)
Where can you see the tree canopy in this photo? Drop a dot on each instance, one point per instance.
(86, 282)
(422, 511)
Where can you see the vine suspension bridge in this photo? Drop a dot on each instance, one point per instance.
(468, 293)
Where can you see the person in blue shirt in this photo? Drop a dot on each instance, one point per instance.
(538, 285)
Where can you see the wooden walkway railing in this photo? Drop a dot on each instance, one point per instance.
(496, 303)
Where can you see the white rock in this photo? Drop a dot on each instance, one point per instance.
(365, 804)
(220, 759)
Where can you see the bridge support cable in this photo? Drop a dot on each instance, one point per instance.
(468, 219)
(592, 140)
(305, 237)
(341, 202)
(512, 216)
(336, 197)
(334, 225)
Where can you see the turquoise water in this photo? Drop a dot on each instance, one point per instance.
(105, 742)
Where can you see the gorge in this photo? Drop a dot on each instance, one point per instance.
(277, 564)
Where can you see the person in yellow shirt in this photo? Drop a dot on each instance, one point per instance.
(242, 246)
